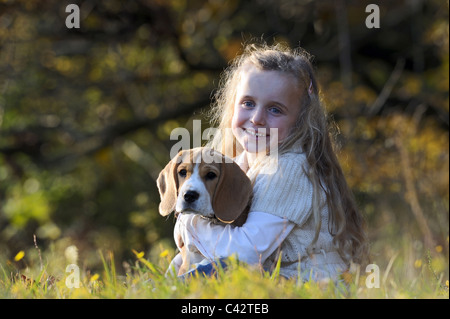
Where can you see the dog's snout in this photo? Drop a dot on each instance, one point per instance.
(191, 196)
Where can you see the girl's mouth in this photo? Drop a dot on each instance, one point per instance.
(252, 132)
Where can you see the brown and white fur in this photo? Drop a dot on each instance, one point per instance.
(205, 182)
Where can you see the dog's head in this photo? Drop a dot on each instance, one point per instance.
(205, 182)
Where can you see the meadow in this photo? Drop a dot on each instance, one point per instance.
(55, 274)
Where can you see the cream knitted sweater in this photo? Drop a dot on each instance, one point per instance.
(288, 193)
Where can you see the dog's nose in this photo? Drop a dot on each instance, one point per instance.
(191, 196)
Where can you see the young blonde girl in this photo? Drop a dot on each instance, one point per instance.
(304, 213)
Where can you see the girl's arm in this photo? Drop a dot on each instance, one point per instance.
(253, 242)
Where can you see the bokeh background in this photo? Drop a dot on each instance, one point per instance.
(86, 114)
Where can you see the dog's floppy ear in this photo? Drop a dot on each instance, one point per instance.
(232, 194)
(167, 183)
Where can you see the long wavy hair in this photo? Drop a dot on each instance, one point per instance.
(312, 132)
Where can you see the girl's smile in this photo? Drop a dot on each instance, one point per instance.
(264, 100)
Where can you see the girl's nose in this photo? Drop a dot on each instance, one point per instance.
(259, 116)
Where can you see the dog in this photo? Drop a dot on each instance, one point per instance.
(205, 182)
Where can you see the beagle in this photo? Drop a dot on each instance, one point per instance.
(205, 182)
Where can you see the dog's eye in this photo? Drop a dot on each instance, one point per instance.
(182, 173)
(211, 175)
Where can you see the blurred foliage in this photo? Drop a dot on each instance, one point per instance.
(86, 114)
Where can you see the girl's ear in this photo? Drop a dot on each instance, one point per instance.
(167, 183)
(233, 193)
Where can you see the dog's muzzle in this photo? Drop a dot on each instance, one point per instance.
(191, 196)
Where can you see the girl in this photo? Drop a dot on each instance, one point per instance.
(303, 211)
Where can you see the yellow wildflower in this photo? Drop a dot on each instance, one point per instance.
(19, 255)
(94, 278)
(138, 255)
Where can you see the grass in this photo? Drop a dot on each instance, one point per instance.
(400, 276)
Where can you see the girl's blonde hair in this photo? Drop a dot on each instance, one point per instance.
(311, 132)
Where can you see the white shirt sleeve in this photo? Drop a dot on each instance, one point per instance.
(253, 242)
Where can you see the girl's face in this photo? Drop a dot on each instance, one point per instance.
(264, 100)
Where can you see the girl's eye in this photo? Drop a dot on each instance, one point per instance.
(211, 175)
(275, 110)
(248, 104)
(182, 173)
